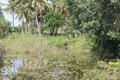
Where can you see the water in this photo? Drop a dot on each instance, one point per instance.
(12, 69)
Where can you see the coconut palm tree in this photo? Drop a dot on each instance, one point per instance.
(29, 10)
(16, 7)
(1, 13)
(40, 6)
(59, 5)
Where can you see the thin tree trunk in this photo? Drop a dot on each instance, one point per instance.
(28, 27)
(35, 13)
(55, 8)
(23, 31)
(56, 31)
(39, 26)
(13, 19)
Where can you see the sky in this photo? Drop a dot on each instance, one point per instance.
(9, 16)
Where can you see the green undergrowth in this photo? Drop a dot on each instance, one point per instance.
(60, 41)
(58, 58)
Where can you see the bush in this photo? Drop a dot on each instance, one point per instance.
(59, 41)
(53, 21)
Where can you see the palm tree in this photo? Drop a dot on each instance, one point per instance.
(17, 7)
(1, 13)
(29, 11)
(58, 5)
(40, 6)
(21, 12)
(11, 10)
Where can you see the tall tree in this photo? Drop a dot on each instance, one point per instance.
(29, 10)
(108, 32)
(99, 18)
(40, 6)
(4, 25)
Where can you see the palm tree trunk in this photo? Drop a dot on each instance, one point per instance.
(13, 20)
(28, 27)
(39, 25)
(23, 31)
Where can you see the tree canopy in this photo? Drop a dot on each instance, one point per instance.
(98, 18)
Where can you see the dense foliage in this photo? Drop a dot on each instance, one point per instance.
(100, 19)
(4, 26)
(78, 40)
(53, 21)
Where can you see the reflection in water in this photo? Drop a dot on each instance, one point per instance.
(12, 69)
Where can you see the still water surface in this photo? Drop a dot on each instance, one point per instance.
(8, 71)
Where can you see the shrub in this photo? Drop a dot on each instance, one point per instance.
(53, 21)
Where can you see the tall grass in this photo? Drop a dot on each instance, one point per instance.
(58, 58)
